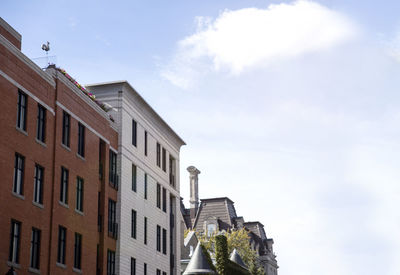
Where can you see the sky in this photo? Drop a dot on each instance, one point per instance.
(289, 108)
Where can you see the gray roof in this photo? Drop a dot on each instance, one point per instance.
(235, 257)
(257, 228)
(198, 263)
(220, 208)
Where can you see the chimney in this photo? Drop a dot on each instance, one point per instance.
(194, 191)
(10, 34)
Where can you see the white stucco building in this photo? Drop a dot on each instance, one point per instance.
(148, 195)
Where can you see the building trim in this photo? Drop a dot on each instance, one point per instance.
(147, 125)
(19, 86)
(130, 109)
(14, 50)
(143, 105)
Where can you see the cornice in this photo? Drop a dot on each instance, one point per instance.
(135, 99)
(14, 50)
(10, 29)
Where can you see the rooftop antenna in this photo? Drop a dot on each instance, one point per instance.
(46, 48)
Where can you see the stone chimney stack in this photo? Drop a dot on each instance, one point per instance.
(194, 191)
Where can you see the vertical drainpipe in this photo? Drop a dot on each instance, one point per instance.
(53, 172)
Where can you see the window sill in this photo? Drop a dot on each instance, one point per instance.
(61, 265)
(79, 156)
(22, 197)
(65, 147)
(21, 131)
(18, 266)
(63, 204)
(34, 270)
(79, 271)
(38, 204)
(79, 212)
(41, 143)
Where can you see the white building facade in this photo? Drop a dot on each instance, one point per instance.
(148, 194)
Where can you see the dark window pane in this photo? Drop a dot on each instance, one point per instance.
(22, 110)
(81, 140)
(35, 248)
(38, 184)
(18, 186)
(15, 238)
(41, 124)
(66, 128)
(134, 133)
(62, 238)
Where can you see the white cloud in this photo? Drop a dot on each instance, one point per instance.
(72, 22)
(251, 37)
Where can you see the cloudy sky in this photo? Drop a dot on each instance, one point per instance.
(290, 108)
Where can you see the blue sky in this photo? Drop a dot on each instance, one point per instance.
(290, 108)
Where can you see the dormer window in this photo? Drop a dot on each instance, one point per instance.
(211, 229)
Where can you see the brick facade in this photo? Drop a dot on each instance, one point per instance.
(58, 95)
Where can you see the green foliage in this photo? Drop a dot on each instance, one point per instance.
(221, 254)
(240, 240)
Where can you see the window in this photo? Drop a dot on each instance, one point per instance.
(158, 195)
(134, 178)
(144, 269)
(133, 224)
(66, 128)
(21, 111)
(15, 238)
(113, 178)
(158, 272)
(35, 248)
(112, 218)
(172, 170)
(38, 184)
(158, 155)
(41, 124)
(64, 185)
(145, 230)
(134, 133)
(145, 186)
(19, 164)
(164, 273)
(145, 143)
(211, 228)
(158, 238)
(164, 159)
(62, 238)
(164, 199)
(164, 241)
(110, 262)
(133, 266)
(79, 194)
(81, 140)
(78, 251)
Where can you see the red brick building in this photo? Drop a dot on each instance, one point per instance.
(58, 164)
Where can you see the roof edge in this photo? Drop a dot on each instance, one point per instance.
(145, 103)
(10, 29)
